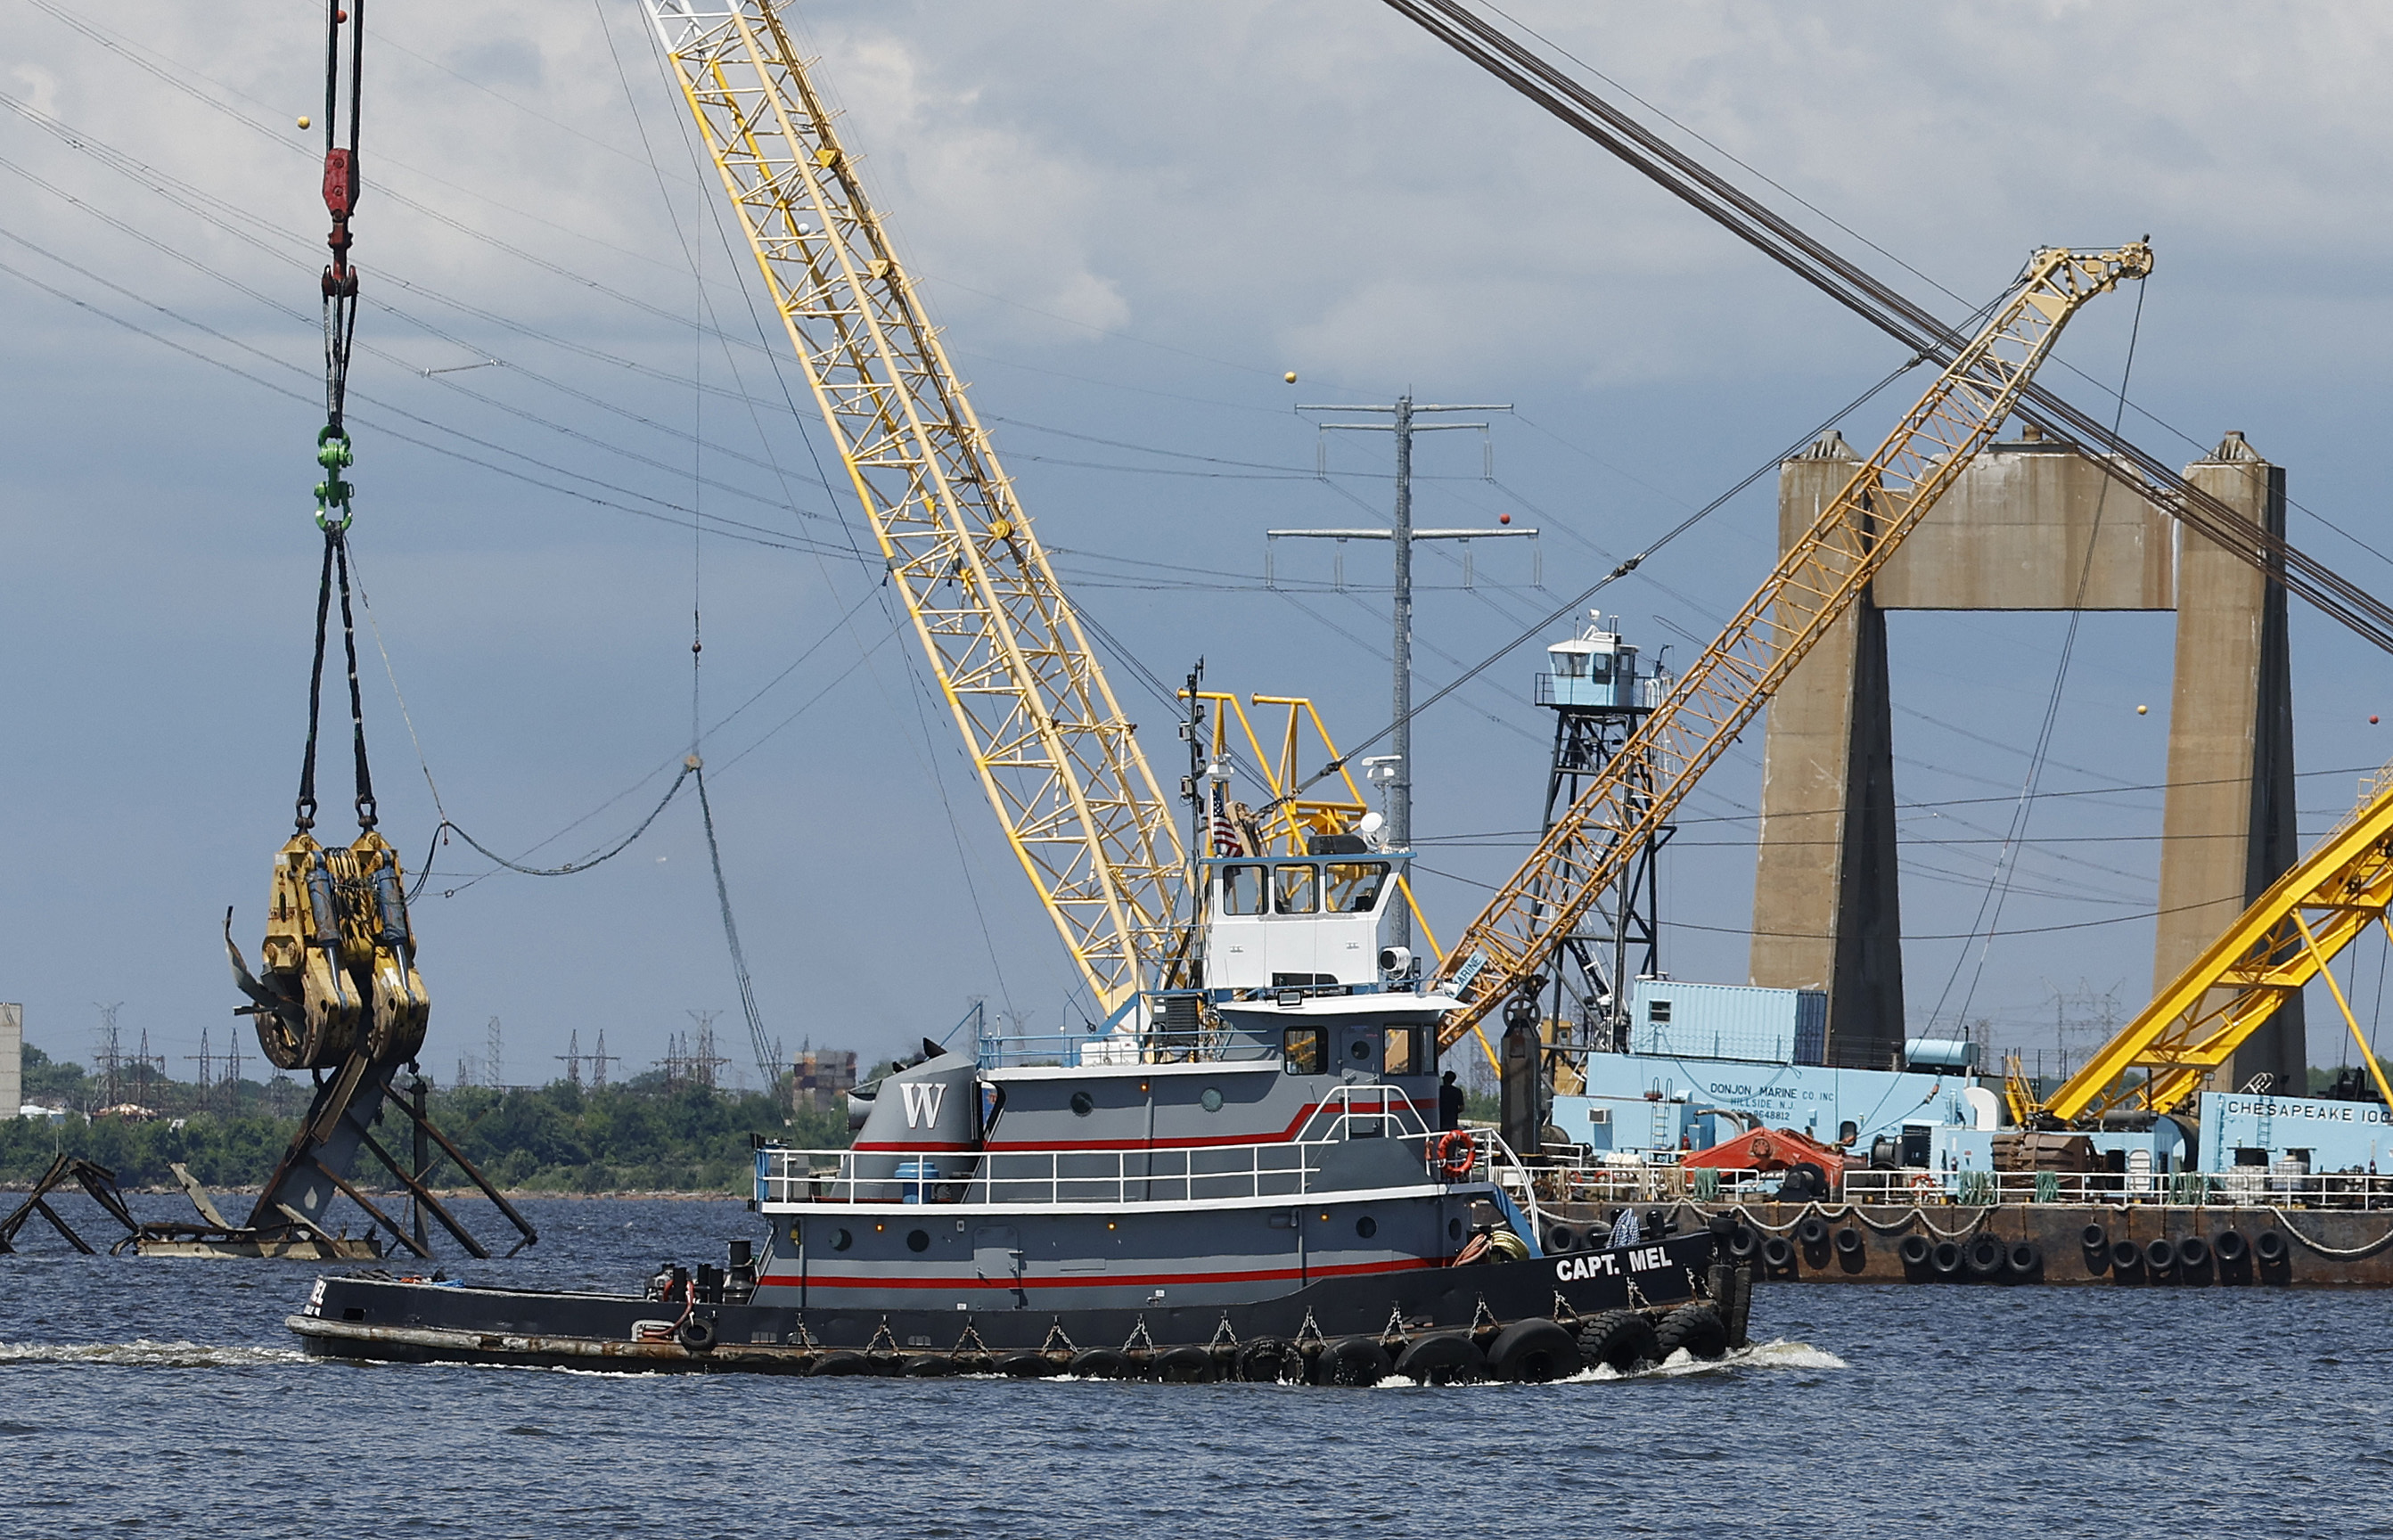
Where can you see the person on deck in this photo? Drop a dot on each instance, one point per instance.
(1449, 1104)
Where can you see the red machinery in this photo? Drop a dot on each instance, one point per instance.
(1771, 1150)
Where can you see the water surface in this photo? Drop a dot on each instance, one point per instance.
(166, 1397)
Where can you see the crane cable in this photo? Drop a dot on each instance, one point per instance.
(333, 494)
(2140, 472)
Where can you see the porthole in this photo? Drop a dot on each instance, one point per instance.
(1210, 1101)
(841, 1240)
(918, 1239)
(1454, 1230)
(1360, 1050)
(1083, 1103)
(1367, 1227)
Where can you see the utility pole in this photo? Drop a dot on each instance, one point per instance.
(1401, 415)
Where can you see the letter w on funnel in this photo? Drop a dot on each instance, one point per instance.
(923, 1101)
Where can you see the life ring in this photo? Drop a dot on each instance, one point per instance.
(1454, 1155)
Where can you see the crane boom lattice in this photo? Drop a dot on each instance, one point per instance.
(1053, 751)
(1815, 582)
(2285, 939)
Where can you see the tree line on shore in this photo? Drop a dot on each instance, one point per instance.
(645, 1134)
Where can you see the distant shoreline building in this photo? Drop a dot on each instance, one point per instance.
(12, 1059)
(820, 1080)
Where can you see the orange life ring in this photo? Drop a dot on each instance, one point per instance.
(1455, 1153)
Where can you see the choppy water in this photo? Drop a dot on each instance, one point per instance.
(166, 1396)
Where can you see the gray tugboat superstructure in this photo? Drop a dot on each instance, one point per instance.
(1249, 1180)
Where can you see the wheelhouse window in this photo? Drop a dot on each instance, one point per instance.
(1242, 890)
(1354, 885)
(1296, 888)
(1304, 1049)
(1402, 1054)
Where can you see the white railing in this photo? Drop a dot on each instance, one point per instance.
(1348, 1116)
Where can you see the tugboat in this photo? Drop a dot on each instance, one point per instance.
(1248, 1180)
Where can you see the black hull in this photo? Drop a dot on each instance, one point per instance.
(388, 1319)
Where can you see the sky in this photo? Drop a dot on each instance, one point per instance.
(1133, 220)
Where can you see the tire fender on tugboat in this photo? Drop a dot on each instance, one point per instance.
(1442, 1358)
(1533, 1351)
(1353, 1361)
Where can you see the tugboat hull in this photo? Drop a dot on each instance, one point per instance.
(370, 1317)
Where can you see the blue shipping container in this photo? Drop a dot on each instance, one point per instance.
(1729, 1021)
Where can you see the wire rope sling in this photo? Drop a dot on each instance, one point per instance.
(338, 964)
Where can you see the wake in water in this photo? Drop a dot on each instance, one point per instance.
(143, 1354)
(1779, 1354)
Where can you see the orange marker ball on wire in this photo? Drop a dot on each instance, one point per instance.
(1503, 518)
(2141, 710)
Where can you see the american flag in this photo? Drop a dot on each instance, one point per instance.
(1226, 833)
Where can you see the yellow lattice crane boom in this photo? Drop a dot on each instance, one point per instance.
(2288, 937)
(1052, 748)
(1815, 582)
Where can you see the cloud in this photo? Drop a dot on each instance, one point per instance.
(1132, 217)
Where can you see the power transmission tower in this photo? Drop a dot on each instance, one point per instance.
(1401, 423)
(496, 1065)
(111, 1056)
(600, 1060)
(206, 1062)
(699, 1061)
(142, 1062)
(571, 1057)
(2083, 1020)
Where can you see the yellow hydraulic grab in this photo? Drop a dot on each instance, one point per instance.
(1053, 750)
(2285, 939)
(339, 958)
(1815, 582)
